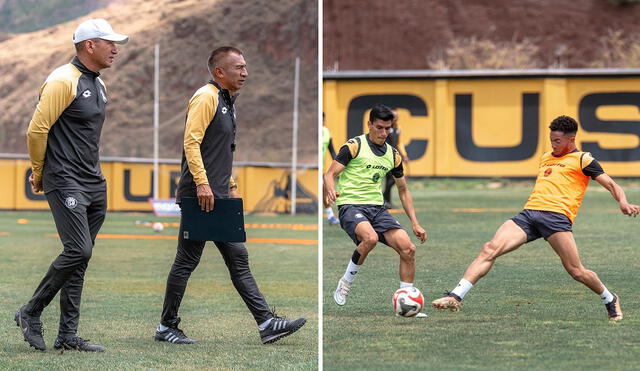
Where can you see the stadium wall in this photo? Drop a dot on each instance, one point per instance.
(264, 187)
(492, 123)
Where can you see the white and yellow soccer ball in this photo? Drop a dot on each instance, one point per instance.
(407, 302)
(158, 227)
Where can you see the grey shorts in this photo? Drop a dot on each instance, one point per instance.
(537, 223)
(380, 219)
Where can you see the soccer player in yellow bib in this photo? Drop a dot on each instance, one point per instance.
(362, 164)
(563, 177)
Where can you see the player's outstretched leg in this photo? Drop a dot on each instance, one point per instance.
(564, 245)
(507, 238)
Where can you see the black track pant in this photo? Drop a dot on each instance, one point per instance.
(237, 260)
(78, 217)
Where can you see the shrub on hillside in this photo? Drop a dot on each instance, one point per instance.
(617, 50)
(474, 53)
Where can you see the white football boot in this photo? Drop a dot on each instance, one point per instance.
(340, 295)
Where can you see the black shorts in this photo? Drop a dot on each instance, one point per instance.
(537, 223)
(380, 219)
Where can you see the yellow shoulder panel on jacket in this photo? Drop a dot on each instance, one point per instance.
(56, 94)
(202, 107)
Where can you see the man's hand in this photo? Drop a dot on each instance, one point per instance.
(205, 197)
(630, 209)
(35, 187)
(420, 233)
(329, 193)
(330, 197)
(233, 193)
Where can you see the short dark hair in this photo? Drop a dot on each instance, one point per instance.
(80, 45)
(565, 124)
(381, 112)
(217, 54)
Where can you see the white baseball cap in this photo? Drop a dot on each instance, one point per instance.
(98, 28)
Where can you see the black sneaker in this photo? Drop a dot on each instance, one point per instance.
(76, 343)
(613, 309)
(174, 336)
(280, 327)
(31, 328)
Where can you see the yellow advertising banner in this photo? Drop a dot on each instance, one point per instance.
(130, 186)
(492, 126)
(267, 189)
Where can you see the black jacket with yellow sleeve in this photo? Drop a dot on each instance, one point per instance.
(209, 142)
(64, 133)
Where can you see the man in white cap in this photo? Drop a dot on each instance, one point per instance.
(63, 139)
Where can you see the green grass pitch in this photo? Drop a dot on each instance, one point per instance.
(527, 313)
(124, 290)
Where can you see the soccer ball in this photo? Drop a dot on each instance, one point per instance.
(158, 227)
(407, 302)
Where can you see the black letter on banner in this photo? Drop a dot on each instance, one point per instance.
(127, 189)
(174, 178)
(359, 105)
(464, 133)
(27, 189)
(590, 122)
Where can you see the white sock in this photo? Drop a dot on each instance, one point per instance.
(329, 212)
(264, 324)
(463, 288)
(405, 284)
(162, 328)
(350, 273)
(606, 296)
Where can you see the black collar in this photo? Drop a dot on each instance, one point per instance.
(76, 62)
(225, 93)
(376, 149)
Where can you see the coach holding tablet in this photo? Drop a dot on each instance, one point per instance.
(209, 143)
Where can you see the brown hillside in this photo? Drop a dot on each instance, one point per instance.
(414, 34)
(271, 34)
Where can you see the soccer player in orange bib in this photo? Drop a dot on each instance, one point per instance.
(562, 180)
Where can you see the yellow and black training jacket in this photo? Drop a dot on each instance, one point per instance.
(209, 142)
(64, 133)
